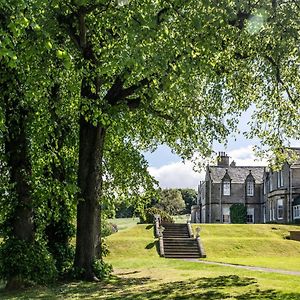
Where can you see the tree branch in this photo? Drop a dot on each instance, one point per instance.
(117, 93)
(278, 77)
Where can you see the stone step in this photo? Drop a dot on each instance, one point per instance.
(178, 240)
(182, 256)
(178, 243)
(182, 250)
(179, 236)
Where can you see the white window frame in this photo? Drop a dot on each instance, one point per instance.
(279, 179)
(250, 188)
(272, 211)
(226, 188)
(280, 209)
(296, 212)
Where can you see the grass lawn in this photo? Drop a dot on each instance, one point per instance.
(141, 274)
(254, 245)
(124, 223)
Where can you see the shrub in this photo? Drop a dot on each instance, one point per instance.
(102, 269)
(108, 228)
(149, 213)
(238, 213)
(30, 262)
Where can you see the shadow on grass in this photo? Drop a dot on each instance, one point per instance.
(152, 245)
(145, 288)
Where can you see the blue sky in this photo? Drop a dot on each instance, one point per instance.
(169, 170)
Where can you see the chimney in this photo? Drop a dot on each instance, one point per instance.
(233, 164)
(223, 160)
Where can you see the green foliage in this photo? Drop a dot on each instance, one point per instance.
(124, 211)
(171, 201)
(102, 269)
(238, 213)
(27, 261)
(149, 216)
(108, 228)
(190, 198)
(58, 234)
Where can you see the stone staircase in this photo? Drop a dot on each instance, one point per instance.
(178, 243)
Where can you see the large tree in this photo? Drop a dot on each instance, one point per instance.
(173, 72)
(151, 72)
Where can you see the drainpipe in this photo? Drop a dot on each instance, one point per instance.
(289, 216)
(220, 203)
(210, 183)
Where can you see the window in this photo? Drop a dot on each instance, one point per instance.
(271, 184)
(250, 188)
(250, 215)
(272, 211)
(226, 188)
(279, 179)
(280, 209)
(226, 215)
(296, 211)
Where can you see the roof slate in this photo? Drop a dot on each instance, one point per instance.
(237, 174)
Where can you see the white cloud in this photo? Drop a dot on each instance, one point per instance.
(245, 157)
(182, 175)
(177, 175)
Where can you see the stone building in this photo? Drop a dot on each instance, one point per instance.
(226, 184)
(282, 193)
(269, 196)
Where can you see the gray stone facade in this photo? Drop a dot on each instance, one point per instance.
(282, 193)
(227, 184)
(269, 196)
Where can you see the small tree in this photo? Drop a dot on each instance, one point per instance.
(171, 201)
(189, 197)
(238, 213)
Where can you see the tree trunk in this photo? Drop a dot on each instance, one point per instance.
(88, 208)
(18, 161)
(16, 151)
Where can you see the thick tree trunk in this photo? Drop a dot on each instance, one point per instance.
(88, 208)
(18, 161)
(16, 150)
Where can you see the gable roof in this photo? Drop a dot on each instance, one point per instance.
(237, 174)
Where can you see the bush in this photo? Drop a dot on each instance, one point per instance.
(149, 213)
(238, 213)
(102, 269)
(108, 228)
(30, 262)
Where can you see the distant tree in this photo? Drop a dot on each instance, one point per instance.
(189, 197)
(171, 201)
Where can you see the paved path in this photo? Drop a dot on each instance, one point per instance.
(261, 269)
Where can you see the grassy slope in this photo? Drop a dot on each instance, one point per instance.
(141, 274)
(257, 245)
(134, 249)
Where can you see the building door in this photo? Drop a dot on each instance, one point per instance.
(250, 215)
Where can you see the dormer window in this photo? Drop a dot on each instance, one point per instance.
(250, 188)
(226, 185)
(226, 188)
(250, 185)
